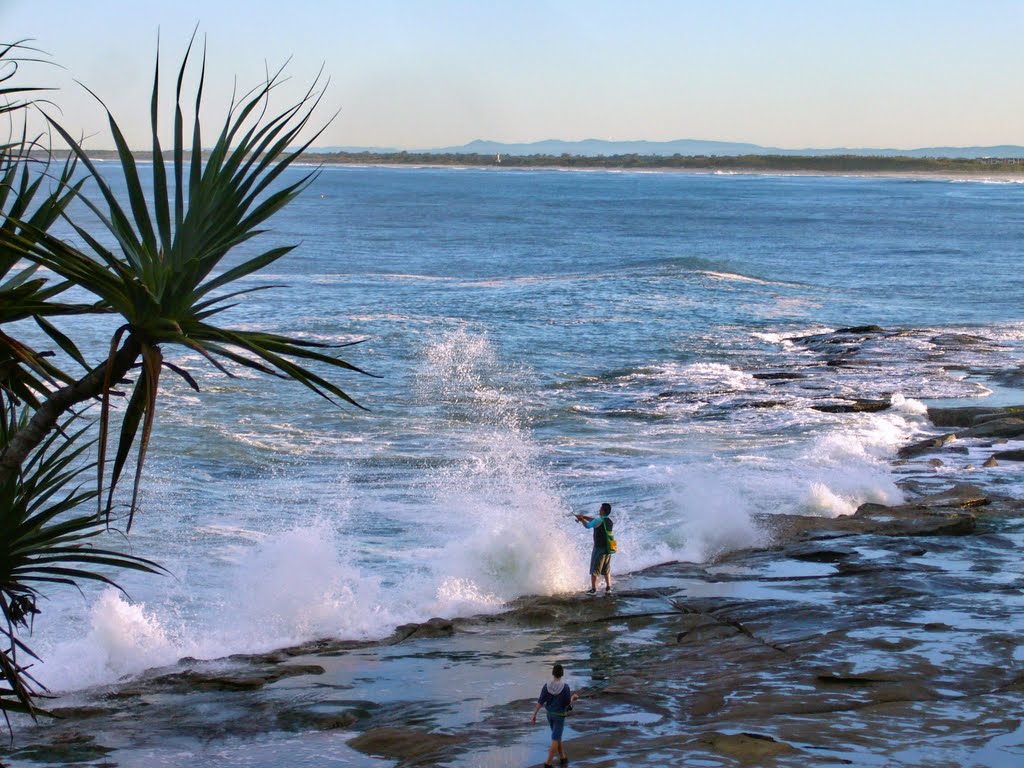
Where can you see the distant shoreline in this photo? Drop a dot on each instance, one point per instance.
(996, 176)
(993, 169)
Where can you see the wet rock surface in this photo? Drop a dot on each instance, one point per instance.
(890, 637)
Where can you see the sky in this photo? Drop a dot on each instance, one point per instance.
(435, 73)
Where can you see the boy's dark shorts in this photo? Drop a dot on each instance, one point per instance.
(600, 563)
(557, 723)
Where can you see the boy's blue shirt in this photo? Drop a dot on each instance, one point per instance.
(556, 705)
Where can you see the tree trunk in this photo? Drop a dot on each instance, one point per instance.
(60, 402)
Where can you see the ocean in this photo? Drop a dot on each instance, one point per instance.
(541, 342)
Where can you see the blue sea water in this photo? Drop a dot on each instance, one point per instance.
(543, 341)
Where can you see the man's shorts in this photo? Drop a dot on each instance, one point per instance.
(600, 563)
(557, 723)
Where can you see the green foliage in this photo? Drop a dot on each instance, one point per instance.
(165, 278)
(27, 206)
(44, 542)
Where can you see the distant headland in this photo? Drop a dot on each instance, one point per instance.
(683, 155)
(693, 154)
(826, 164)
(831, 164)
(685, 148)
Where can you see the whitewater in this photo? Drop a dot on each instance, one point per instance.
(545, 341)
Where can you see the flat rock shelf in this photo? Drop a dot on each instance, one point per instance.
(892, 637)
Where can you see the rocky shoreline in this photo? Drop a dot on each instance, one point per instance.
(890, 637)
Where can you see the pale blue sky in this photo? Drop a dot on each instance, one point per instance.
(791, 73)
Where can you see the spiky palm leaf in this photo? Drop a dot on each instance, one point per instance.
(43, 542)
(30, 192)
(162, 276)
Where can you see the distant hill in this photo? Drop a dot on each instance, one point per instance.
(352, 150)
(687, 147)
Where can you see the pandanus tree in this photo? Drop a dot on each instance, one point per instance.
(158, 264)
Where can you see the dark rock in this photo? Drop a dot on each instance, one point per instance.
(79, 713)
(991, 460)
(1008, 456)
(245, 679)
(926, 446)
(538, 615)
(747, 748)
(968, 417)
(317, 718)
(1015, 684)
(887, 644)
(706, 702)
(815, 553)
(981, 418)
(857, 406)
(705, 633)
(935, 462)
(955, 417)
(959, 340)
(843, 336)
(861, 329)
(780, 375)
(902, 520)
(848, 362)
(915, 520)
(435, 627)
(1013, 377)
(835, 678)
(1007, 427)
(78, 749)
(402, 743)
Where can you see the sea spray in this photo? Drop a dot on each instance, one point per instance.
(503, 515)
(586, 364)
(120, 639)
(850, 463)
(707, 504)
(704, 514)
(489, 525)
(283, 590)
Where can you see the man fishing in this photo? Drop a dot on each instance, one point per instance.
(601, 555)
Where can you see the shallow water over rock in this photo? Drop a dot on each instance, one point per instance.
(876, 640)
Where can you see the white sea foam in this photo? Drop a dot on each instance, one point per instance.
(501, 511)
(486, 525)
(737, 278)
(286, 589)
(849, 464)
(707, 504)
(784, 337)
(714, 516)
(697, 377)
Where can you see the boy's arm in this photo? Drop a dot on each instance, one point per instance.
(584, 519)
(593, 522)
(536, 709)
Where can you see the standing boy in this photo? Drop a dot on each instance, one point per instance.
(601, 556)
(557, 699)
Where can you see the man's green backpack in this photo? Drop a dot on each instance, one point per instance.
(613, 546)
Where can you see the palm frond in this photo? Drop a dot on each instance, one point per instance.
(165, 277)
(44, 540)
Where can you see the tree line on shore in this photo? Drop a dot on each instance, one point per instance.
(738, 163)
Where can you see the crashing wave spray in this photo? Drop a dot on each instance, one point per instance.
(503, 517)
